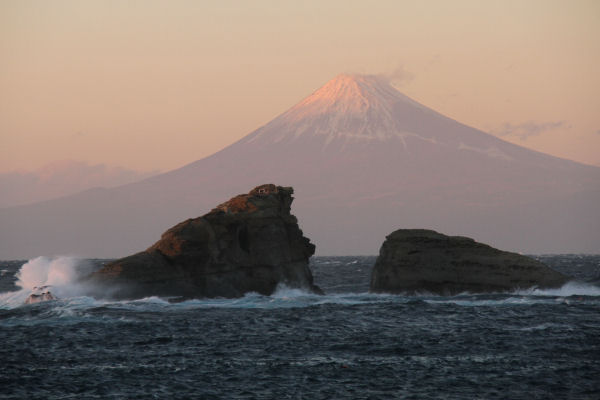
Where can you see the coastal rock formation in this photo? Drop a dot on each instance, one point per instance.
(420, 260)
(40, 294)
(250, 243)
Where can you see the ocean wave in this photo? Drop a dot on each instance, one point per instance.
(284, 297)
(572, 288)
(59, 275)
(62, 274)
(74, 309)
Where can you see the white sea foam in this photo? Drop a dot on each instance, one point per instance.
(62, 275)
(59, 275)
(285, 292)
(43, 271)
(571, 288)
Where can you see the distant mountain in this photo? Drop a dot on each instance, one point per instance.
(62, 178)
(364, 160)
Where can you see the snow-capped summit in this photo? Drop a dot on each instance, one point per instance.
(351, 94)
(348, 107)
(363, 110)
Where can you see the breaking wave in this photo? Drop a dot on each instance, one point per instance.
(62, 277)
(519, 344)
(59, 275)
(42, 271)
(572, 288)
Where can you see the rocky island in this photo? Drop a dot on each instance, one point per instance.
(250, 243)
(420, 260)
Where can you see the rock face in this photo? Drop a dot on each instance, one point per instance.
(419, 260)
(250, 243)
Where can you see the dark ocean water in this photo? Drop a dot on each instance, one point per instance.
(347, 344)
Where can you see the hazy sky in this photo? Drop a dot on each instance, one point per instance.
(157, 84)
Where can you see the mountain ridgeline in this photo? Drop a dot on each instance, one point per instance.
(365, 160)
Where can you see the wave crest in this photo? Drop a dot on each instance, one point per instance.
(571, 288)
(60, 275)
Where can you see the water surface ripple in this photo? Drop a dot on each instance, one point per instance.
(293, 345)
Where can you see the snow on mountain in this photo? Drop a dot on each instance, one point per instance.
(364, 160)
(354, 108)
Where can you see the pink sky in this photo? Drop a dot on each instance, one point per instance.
(156, 84)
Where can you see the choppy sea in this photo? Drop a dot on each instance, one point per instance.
(348, 344)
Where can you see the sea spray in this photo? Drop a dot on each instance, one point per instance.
(59, 275)
(44, 271)
(64, 273)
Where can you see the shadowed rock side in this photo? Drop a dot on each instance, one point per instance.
(251, 243)
(419, 260)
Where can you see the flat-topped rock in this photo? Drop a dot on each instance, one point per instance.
(420, 260)
(250, 243)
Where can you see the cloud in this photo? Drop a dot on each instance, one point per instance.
(62, 178)
(528, 129)
(399, 76)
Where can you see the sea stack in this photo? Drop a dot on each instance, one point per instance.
(250, 243)
(420, 260)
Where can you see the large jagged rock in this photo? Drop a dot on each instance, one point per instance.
(250, 243)
(420, 260)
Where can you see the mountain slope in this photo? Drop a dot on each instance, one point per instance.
(62, 178)
(364, 160)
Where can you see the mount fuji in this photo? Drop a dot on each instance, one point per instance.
(364, 160)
